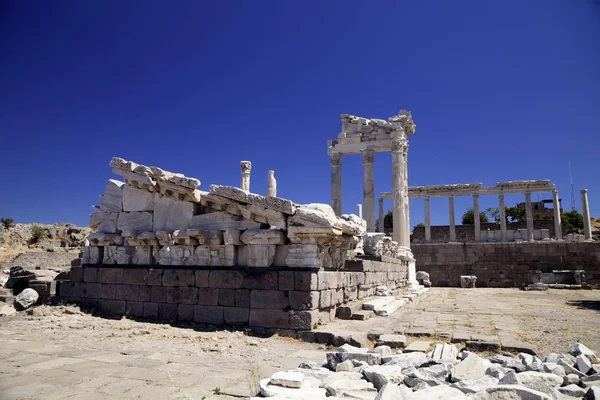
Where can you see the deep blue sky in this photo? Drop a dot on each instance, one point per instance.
(499, 90)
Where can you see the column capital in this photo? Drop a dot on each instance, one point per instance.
(245, 166)
(475, 196)
(335, 159)
(399, 143)
(368, 156)
(583, 191)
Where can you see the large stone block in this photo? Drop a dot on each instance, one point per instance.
(189, 295)
(108, 291)
(167, 312)
(158, 294)
(151, 310)
(242, 298)
(208, 315)
(306, 281)
(263, 236)
(110, 275)
(216, 256)
(127, 292)
(135, 222)
(226, 279)
(221, 221)
(274, 299)
(202, 278)
(142, 255)
(185, 312)
(112, 199)
(134, 309)
(135, 199)
(174, 295)
(135, 276)
(103, 221)
(76, 274)
(113, 307)
(304, 320)
(144, 293)
(262, 280)
(90, 274)
(170, 277)
(176, 255)
(303, 300)
(304, 256)
(208, 296)
(227, 297)
(265, 318)
(187, 277)
(286, 280)
(236, 316)
(258, 255)
(171, 214)
(93, 290)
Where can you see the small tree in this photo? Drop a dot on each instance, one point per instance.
(388, 220)
(468, 218)
(7, 222)
(515, 214)
(494, 214)
(572, 221)
(419, 225)
(37, 232)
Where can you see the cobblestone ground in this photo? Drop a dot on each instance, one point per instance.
(59, 353)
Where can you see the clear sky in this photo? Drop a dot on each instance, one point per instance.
(499, 90)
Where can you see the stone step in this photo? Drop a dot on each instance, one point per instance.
(347, 311)
(362, 315)
(377, 302)
(390, 308)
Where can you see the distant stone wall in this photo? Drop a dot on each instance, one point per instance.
(466, 233)
(280, 298)
(505, 264)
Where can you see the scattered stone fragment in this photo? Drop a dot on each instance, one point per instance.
(304, 392)
(26, 299)
(571, 379)
(589, 381)
(441, 392)
(497, 371)
(347, 384)
(528, 359)
(583, 364)
(394, 341)
(346, 366)
(380, 375)
(572, 390)
(569, 368)
(393, 392)
(346, 348)
(444, 352)
(510, 378)
(474, 386)
(592, 394)
(579, 349)
(417, 346)
(7, 310)
(287, 379)
(509, 392)
(540, 381)
(384, 351)
(470, 368)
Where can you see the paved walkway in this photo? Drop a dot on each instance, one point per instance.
(59, 353)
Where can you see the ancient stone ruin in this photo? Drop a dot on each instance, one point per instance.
(163, 249)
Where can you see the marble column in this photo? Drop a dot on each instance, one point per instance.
(529, 216)
(368, 156)
(585, 210)
(245, 167)
(336, 182)
(359, 210)
(502, 209)
(381, 216)
(557, 221)
(271, 184)
(451, 222)
(400, 191)
(476, 219)
(427, 220)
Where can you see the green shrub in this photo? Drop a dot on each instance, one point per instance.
(37, 233)
(7, 222)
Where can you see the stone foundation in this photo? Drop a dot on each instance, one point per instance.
(279, 298)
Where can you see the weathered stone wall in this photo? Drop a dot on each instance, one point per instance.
(504, 264)
(466, 233)
(275, 298)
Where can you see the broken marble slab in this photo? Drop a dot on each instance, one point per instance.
(135, 199)
(353, 225)
(232, 236)
(142, 255)
(216, 256)
(186, 237)
(256, 255)
(103, 221)
(176, 255)
(264, 215)
(302, 256)
(139, 221)
(316, 216)
(121, 255)
(273, 203)
(171, 214)
(104, 239)
(262, 237)
(221, 221)
(92, 255)
(112, 199)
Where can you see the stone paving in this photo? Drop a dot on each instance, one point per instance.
(58, 354)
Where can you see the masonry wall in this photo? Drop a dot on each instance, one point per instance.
(504, 264)
(274, 298)
(466, 233)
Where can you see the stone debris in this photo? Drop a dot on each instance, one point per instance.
(592, 394)
(583, 364)
(26, 299)
(581, 349)
(444, 352)
(468, 281)
(393, 341)
(287, 379)
(418, 346)
(471, 368)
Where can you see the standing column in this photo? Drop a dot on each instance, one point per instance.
(381, 216)
(427, 220)
(400, 191)
(245, 167)
(557, 221)
(585, 210)
(529, 215)
(359, 210)
(271, 184)
(451, 219)
(502, 209)
(336, 182)
(476, 219)
(368, 156)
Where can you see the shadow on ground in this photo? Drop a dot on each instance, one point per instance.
(585, 304)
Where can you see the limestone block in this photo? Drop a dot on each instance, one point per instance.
(92, 255)
(232, 237)
(186, 237)
(104, 239)
(110, 255)
(103, 221)
(112, 199)
(223, 255)
(221, 221)
(262, 237)
(303, 256)
(135, 199)
(171, 214)
(272, 203)
(316, 216)
(264, 215)
(259, 255)
(135, 222)
(353, 225)
(176, 255)
(210, 237)
(287, 379)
